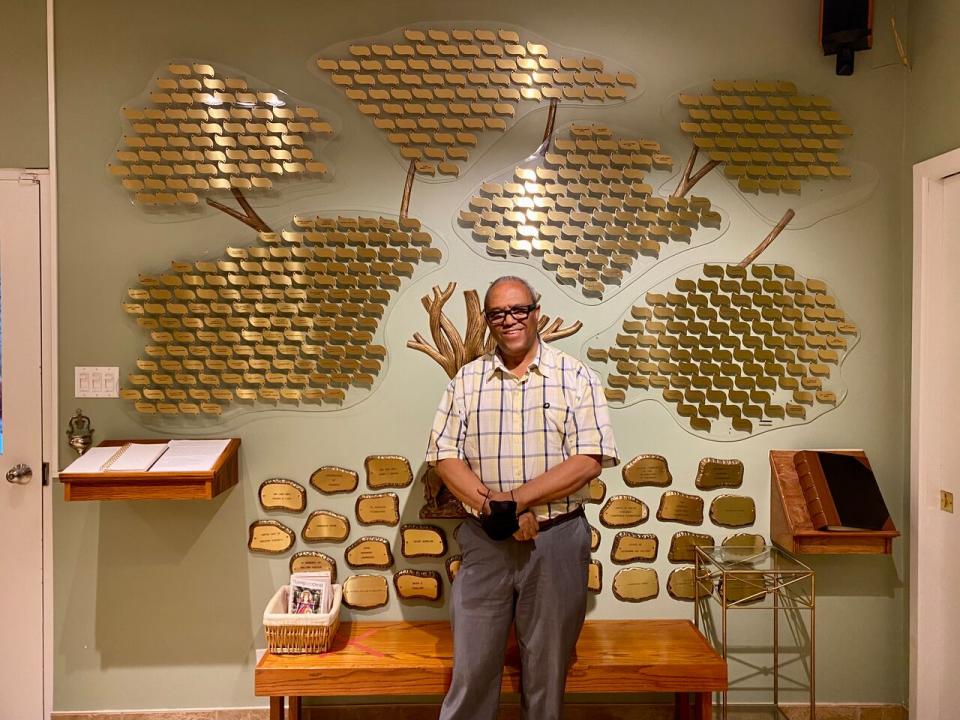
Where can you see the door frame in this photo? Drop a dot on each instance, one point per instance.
(927, 435)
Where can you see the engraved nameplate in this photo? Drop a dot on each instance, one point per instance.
(631, 547)
(282, 494)
(595, 576)
(594, 539)
(365, 592)
(422, 541)
(714, 473)
(330, 479)
(747, 541)
(270, 536)
(683, 543)
(369, 552)
(623, 511)
(680, 507)
(597, 491)
(379, 509)
(742, 590)
(646, 470)
(733, 511)
(680, 585)
(387, 471)
(453, 566)
(313, 561)
(418, 585)
(636, 584)
(325, 526)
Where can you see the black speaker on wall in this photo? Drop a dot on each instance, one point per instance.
(845, 27)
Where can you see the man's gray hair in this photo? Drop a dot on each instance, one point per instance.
(534, 295)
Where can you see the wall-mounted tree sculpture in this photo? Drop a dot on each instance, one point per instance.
(438, 92)
(202, 130)
(732, 350)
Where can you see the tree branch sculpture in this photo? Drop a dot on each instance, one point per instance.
(247, 217)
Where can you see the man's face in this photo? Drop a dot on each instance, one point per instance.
(513, 336)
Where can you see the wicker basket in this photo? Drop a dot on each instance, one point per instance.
(289, 634)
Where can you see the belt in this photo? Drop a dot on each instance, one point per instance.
(560, 519)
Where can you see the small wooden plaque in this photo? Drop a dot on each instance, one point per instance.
(680, 507)
(270, 537)
(379, 509)
(623, 511)
(313, 561)
(597, 490)
(636, 584)
(594, 539)
(453, 566)
(631, 547)
(595, 576)
(682, 546)
(387, 471)
(282, 494)
(422, 541)
(647, 470)
(366, 592)
(714, 473)
(418, 585)
(369, 552)
(733, 511)
(331, 480)
(325, 526)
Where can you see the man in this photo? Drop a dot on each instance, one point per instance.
(518, 435)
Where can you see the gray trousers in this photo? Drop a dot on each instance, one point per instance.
(541, 585)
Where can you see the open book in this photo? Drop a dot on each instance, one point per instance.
(172, 456)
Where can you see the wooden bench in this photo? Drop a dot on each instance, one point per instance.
(416, 658)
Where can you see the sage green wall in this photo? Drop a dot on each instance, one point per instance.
(23, 84)
(158, 604)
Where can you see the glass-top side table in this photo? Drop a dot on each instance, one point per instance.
(755, 578)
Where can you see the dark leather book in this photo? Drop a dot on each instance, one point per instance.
(841, 492)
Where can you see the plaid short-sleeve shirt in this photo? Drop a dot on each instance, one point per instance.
(510, 430)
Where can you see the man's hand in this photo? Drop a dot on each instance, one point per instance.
(529, 527)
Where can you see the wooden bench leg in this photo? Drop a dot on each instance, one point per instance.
(681, 706)
(703, 706)
(276, 707)
(294, 707)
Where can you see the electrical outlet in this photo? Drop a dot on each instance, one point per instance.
(946, 501)
(96, 382)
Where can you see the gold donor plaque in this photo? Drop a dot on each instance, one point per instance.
(646, 470)
(680, 507)
(418, 585)
(369, 552)
(365, 592)
(595, 576)
(733, 511)
(597, 491)
(631, 547)
(422, 541)
(636, 584)
(379, 509)
(713, 473)
(682, 546)
(453, 566)
(283, 494)
(742, 590)
(325, 526)
(594, 539)
(387, 471)
(313, 561)
(623, 511)
(270, 536)
(748, 541)
(331, 480)
(680, 584)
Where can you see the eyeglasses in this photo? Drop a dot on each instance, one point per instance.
(517, 312)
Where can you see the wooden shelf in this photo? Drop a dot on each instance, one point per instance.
(154, 485)
(790, 524)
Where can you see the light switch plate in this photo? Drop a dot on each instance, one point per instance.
(96, 382)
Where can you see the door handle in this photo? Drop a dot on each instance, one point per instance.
(19, 474)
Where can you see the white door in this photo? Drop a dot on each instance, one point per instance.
(21, 451)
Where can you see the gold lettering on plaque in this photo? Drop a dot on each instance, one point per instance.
(733, 511)
(453, 566)
(379, 509)
(742, 590)
(331, 479)
(365, 592)
(683, 543)
(595, 576)
(631, 547)
(714, 473)
(270, 536)
(282, 494)
(598, 491)
(422, 541)
(680, 507)
(313, 561)
(369, 552)
(636, 584)
(385, 471)
(325, 526)
(623, 511)
(594, 539)
(418, 585)
(646, 470)
(680, 585)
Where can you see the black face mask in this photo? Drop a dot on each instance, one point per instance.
(502, 521)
